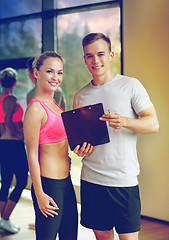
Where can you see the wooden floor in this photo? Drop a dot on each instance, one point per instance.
(24, 214)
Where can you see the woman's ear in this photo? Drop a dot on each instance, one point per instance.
(35, 73)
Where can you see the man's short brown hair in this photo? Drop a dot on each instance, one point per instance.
(92, 37)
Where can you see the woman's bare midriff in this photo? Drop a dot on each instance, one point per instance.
(54, 160)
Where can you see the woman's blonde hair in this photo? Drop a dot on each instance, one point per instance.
(38, 62)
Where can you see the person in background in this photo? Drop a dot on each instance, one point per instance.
(109, 186)
(58, 95)
(47, 148)
(13, 158)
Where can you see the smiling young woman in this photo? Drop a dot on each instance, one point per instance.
(49, 163)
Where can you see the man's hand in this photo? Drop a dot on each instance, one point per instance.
(115, 120)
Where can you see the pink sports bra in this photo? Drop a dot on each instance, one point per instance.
(53, 131)
(16, 117)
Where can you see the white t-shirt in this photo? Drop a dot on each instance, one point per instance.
(115, 163)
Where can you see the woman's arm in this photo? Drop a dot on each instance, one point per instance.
(32, 123)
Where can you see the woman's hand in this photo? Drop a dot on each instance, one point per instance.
(47, 205)
(84, 151)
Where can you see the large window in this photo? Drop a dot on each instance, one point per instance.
(29, 27)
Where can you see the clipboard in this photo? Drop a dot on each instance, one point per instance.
(83, 125)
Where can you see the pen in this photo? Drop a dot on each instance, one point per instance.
(109, 111)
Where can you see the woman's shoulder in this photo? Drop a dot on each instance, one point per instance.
(34, 112)
(34, 108)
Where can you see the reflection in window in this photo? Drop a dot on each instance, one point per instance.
(71, 3)
(71, 29)
(20, 39)
(11, 8)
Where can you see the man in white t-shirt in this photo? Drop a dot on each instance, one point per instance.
(109, 186)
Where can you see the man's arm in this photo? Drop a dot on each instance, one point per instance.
(147, 121)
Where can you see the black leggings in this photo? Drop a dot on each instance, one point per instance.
(66, 222)
(13, 161)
